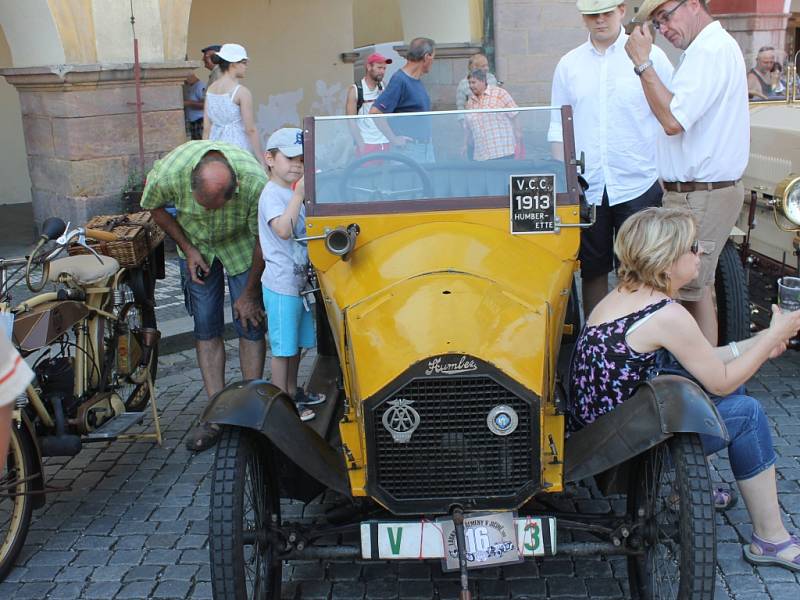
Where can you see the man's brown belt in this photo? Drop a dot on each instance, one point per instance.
(694, 186)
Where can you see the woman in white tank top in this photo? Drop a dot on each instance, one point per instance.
(228, 115)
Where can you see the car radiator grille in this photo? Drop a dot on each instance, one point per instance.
(453, 453)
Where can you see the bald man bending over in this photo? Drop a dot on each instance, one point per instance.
(215, 188)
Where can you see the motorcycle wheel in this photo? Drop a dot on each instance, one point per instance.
(244, 505)
(733, 305)
(671, 489)
(16, 503)
(132, 315)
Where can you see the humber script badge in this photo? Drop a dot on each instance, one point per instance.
(502, 420)
(401, 420)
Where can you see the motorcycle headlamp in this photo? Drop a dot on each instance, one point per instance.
(787, 194)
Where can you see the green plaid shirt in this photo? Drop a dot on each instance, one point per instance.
(228, 233)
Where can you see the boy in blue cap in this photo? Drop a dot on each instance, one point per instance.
(281, 219)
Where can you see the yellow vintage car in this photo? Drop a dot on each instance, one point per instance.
(770, 219)
(443, 289)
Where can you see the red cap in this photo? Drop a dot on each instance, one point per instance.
(375, 57)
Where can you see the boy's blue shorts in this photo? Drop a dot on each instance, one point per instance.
(291, 326)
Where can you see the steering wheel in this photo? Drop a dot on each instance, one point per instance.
(347, 189)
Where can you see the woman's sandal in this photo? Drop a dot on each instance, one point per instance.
(203, 437)
(768, 555)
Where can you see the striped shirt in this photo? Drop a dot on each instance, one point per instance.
(229, 233)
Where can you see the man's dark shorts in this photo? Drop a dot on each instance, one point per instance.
(206, 303)
(597, 242)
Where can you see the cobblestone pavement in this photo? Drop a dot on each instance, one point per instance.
(134, 523)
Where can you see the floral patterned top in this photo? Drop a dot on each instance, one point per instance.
(605, 370)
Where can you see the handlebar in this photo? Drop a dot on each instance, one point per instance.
(100, 235)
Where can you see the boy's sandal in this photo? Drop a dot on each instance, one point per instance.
(768, 553)
(202, 437)
(724, 498)
(300, 397)
(306, 414)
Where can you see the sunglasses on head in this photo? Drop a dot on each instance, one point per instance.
(695, 247)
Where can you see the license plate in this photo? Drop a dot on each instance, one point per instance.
(533, 203)
(487, 544)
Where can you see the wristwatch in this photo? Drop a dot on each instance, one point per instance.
(639, 69)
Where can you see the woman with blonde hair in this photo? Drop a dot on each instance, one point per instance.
(228, 115)
(617, 350)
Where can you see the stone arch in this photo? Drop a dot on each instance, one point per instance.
(31, 32)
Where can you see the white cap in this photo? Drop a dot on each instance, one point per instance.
(234, 53)
(288, 140)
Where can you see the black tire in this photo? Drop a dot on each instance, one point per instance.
(16, 502)
(244, 504)
(733, 305)
(670, 496)
(133, 316)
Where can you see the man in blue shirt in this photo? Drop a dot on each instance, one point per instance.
(406, 93)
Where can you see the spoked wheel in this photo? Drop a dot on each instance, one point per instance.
(670, 496)
(125, 349)
(244, 504)
(16, 481)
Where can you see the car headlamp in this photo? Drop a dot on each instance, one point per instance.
(787, 194)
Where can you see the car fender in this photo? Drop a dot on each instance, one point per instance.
(659, 408)
(260, 406)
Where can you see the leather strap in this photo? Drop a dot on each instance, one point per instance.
(694, 186)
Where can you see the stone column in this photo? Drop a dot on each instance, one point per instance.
(530, 38)
(81, 135)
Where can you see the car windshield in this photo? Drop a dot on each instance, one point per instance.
(465, 157)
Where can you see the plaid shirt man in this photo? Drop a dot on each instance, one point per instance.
(493, 133)
(229, 233)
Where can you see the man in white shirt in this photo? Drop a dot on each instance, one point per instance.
(360, 98)
(705, 116)
(615, 130)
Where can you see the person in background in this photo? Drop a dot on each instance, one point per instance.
(194, 95)
(705, 118)
(215, 188)
(208, 62)
(15, 375)
(360, 97)
(281, 219)
(463, 92)
(760, 84)
(614, 128)
(494, 135)
(404, 94)
(228, 113)
(657, 250)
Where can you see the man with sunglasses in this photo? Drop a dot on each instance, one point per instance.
(704, 114)
(615, 130)
(215, 188)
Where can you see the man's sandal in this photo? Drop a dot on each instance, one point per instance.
(724, 498)
(202, 437)
(768, 553)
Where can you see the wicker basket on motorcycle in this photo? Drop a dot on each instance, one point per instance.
(136, 233)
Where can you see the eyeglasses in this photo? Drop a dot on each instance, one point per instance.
(664, 18)
(695, 247)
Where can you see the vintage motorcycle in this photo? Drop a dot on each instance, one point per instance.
(93, 346)
(445, 305)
